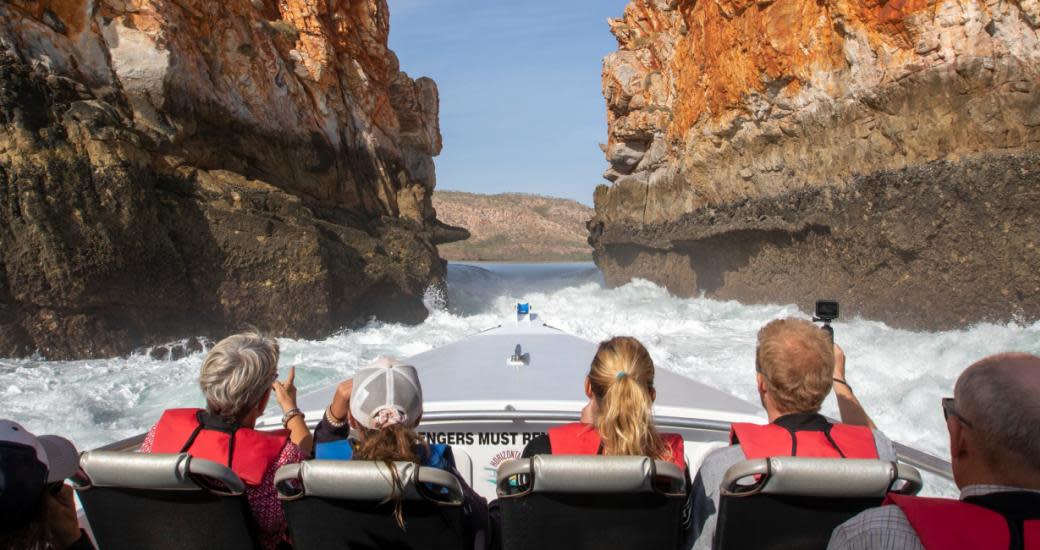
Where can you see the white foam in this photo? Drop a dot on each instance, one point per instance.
(900, 376)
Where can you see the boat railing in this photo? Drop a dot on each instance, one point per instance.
(916, 458)
(128, 444)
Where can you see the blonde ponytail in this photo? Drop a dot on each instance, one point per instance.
(622, 379)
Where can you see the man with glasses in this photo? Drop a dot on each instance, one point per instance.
(797, 365)
(994, 425)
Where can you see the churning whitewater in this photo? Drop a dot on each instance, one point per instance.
(899, 376)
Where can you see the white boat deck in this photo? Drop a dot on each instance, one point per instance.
(473, 374)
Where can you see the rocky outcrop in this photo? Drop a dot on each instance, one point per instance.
(174, 168)
(515, 227)
(882, 153)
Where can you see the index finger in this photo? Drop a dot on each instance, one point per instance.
(292, 375)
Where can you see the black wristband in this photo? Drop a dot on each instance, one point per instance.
(843, 383)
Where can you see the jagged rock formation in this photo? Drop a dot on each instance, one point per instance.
(173, 168)
(881, 152)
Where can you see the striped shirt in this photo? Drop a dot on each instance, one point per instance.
(886, 528)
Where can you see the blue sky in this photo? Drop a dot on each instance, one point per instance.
(521, 106)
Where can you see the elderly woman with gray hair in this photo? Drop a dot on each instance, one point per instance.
(237, 379)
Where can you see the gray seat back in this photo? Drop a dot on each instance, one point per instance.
(162, 472)
(587, 474)
(335, 504)
(362, 480)
(139, 500)
(588, 501)
(820, 477)
(796, 502)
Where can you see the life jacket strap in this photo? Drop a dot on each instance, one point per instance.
(1017, 507)
(807, 422)
(207, 421)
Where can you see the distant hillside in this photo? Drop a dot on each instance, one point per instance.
(514, 227)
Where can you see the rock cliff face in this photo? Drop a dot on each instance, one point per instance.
(884, 153)
(186, 167)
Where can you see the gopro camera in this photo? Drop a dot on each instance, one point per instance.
(826, 311)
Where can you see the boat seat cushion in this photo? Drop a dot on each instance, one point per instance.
(796, 502)
(159, 501)
(589, 501)
(363, 480)
(169, 472)
(348, 504)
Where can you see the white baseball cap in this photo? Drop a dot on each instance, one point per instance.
(385, 393)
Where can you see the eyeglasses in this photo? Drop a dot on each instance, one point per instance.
(950, 409)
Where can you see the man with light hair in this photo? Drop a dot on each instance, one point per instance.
(993, 420)
(797, 365)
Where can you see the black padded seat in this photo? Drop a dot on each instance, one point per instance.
(348, 505)
(159, 501)
(796, 502)
(590, 502)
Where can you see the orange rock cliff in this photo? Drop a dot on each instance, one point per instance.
(171, 168)
(881, 152)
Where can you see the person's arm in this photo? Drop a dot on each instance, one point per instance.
(299, 433)
(325, 432)
(848, 405)
(63, 521)
(334, 424)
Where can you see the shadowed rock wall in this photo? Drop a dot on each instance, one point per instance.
(881, 153)
(179, 168)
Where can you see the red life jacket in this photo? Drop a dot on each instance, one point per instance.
(247, 452)
(582, 439)
(809, 435)
(997, 521)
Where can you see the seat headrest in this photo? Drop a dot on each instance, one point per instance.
(820, 477)
(365, 481)
(591, 474)
(163, 472)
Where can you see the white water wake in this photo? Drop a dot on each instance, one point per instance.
(900, 376)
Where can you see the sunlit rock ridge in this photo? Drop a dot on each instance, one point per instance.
(886, 154)
(172, 168)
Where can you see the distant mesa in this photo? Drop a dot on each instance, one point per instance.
(515, 227)
(886, 154)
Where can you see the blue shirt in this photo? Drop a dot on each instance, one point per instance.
(439, 455)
